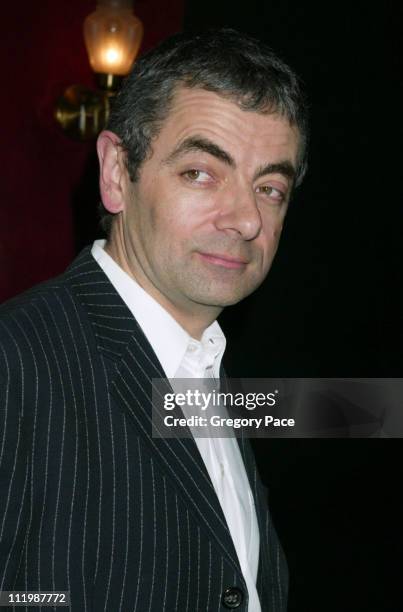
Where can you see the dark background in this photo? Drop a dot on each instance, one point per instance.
(332, 304)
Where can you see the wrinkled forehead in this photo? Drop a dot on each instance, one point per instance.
(182, 93)
(196, 111)
(197, 107)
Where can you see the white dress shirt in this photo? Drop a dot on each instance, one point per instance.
(181, 356)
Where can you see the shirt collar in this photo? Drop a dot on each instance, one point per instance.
(168, 339)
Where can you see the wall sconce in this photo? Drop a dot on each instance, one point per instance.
(112, 35)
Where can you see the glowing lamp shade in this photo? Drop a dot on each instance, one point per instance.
(113, 35)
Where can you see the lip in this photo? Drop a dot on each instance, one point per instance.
(224, 261)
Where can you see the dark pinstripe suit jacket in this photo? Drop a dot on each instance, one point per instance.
(89, 501)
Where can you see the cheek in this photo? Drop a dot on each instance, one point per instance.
(277, 233)
(178, 221)
(270, 243)
(170, 231)
(272, 232)
(153, 219)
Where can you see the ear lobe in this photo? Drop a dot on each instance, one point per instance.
(111, 171)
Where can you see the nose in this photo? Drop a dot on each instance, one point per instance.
(240, 215)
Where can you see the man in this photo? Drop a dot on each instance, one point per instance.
(205, 144)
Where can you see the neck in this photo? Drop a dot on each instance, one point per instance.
(195, 327)
(194, 320)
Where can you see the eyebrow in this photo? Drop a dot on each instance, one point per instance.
(284, 167)
(204, 145)
(198, 143)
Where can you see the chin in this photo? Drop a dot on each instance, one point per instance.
(222, 300)
(219, 294)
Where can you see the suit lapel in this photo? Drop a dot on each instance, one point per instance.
(120, 338)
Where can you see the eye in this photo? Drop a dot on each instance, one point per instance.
(197, 176)
(272, 192)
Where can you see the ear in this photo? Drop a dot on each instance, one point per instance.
(112, 171)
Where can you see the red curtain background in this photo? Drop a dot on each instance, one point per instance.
(43, 53)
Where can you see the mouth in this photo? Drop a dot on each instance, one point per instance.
(225, 261)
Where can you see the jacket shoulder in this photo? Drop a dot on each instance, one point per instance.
(47, 312)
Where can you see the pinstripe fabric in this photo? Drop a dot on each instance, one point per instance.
(89, 501)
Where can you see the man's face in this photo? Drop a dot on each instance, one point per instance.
(202, 224)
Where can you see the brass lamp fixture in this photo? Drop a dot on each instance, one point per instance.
(112, 35)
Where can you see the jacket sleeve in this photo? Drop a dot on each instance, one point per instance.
(14, 470)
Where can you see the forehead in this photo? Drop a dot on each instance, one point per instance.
(197, 111)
